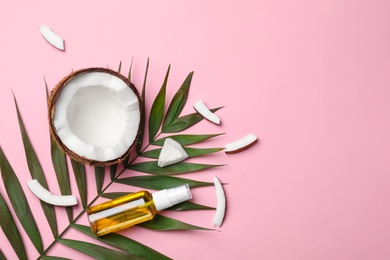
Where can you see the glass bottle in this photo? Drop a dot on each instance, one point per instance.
(134, 208)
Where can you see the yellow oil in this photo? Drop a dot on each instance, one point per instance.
(121, 213)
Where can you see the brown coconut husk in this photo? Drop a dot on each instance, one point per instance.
(51, 108)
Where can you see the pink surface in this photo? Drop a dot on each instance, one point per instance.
(309, 78)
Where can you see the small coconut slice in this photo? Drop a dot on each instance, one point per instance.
(241, 144)
(172, 152)
(95, 115)
(221, 203)
(202, 109)
(51, 37)
(48, 197)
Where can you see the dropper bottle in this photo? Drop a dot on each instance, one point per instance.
(133, 209)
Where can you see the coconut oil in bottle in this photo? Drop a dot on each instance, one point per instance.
(133, 209)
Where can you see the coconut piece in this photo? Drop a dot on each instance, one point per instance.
(95, 115)
(202, 109)
(51, 37)
(172, 152)
(240, 144)
(221, 203)
(43, 194)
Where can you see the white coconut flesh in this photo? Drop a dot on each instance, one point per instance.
(240, 144)
(172, 152)
(43, 194)
(97, 116)
(51, 37)
(221, 203)
(202, 109)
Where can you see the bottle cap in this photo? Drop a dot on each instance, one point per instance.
(167, 198)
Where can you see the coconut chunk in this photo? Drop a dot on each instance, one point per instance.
(43, 194)
(95, 116)
(202, 109)
(172, 152)
(221, 203)
(51, 37)
(241, 144)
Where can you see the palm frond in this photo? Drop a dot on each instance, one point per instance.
(163, 223)
(157, 110)
(114, 167)
(54, 258)
(184, 122)
(98, 252)
(177, 168)
(99, 178)
(2, 256)
(159, 182)
(178, 102)
(62, 173)
(188, 205)
(143, 104)
(79, 174)
(10, 230)
(124, 243)
(186, 139)
(60, 166)
(36, 172)
(192, 152)
(19, 202)
(155, 178)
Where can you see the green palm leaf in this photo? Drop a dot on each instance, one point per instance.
(192, 152)
(195, 152)
(186, 139)
(54, 258)
(96, 251)
(178, 102)
(160, 182)
(113, 169)
(10, 230)
(19, 202)
(184, 122)
(60, 167)
(131, 67)
(188, 205)
(36, 173)
(113, 195)
(157, 110)
(124, 243)
(79, 173)
(99, 177)
(120, 67)
(178, 168)
(142, 123)
(163, 223)
(2, 256)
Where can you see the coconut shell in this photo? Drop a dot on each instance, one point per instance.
(52, 105)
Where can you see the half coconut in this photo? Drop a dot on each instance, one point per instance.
(95, 115)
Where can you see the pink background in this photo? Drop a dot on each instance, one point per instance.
(309, 78)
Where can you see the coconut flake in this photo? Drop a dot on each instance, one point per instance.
(51, 37)
(202, 109)
(43, 194)
(172, 152)
(221, 203)
(240, 144)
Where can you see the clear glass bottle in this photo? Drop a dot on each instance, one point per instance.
(134, 208)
